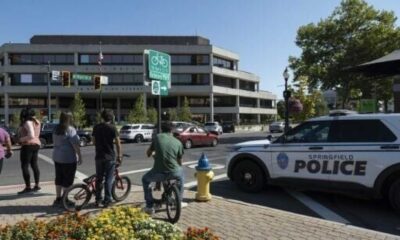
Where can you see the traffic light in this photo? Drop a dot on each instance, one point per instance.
(97, 82)
(66, 78)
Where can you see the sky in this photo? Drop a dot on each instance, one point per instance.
(262, 32)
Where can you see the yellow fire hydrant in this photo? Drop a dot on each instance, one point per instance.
(204, 176)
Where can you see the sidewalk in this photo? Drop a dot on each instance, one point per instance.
(229, 219)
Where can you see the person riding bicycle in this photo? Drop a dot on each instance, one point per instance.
(167, 152)
(104, 136)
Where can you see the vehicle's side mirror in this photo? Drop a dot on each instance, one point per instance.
(269, 137)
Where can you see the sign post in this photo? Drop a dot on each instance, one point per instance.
(159, 65)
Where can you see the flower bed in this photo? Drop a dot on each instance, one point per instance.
(117, 223)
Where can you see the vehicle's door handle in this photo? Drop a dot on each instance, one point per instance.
(316, 148)
(390, 147)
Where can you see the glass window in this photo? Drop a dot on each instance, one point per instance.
(200, 130)
(84, 59)
(224, 81)
(248, 102)
(309, 132)
(360, 131)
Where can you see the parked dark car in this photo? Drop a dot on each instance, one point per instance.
(46, 135)
(196, 136)
(228, 127)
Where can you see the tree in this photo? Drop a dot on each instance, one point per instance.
(184, 112)
(354, 33)
(57, 115)
(152, 115)
(15, 121)
(78, 111)
(138, 113)
(172, 115)
(280, 107)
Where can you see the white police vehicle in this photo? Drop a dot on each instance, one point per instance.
(136, 132)
(350, 153)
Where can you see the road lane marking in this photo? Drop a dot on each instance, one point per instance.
(318, 208)
(80, 176)
(194, 183)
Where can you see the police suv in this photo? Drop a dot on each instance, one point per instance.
(345, 152)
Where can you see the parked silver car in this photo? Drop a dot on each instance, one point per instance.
(277, 127)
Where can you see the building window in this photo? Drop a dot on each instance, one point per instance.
(224, 101)
(190, 79)
(266, 103)
(14, 102)
(248, 86)
(248, 102)
(224, 81)
(187, 59)
(197, 101)
(36, 79)
(223, 63)
(111, 59)
(41, 59)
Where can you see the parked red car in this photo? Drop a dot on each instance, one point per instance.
(196, 136)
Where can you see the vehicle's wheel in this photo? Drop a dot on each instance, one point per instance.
(139, 138)
(83, 141)
(43, 142)
(188, 144)
(214, 142)
(249, 176)
(394, 195)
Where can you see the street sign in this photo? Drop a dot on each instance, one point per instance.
(81, 77)
(55, 75)
(159, 66)
(155, 87)
(163, 88)
(104, 80)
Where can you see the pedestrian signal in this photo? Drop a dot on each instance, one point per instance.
(97, 82)
(66, 79)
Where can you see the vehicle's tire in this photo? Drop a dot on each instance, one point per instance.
(174, 204)
(188, 144)
(214, 142)
(43, 143)
(249, 176)
(139, 138)
(394, 195)
(83, 141)
(121, 188)
(76, 197)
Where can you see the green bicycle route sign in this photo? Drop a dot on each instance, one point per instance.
(159, 88)
(159, 66)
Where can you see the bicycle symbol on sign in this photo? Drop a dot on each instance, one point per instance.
(159, 60)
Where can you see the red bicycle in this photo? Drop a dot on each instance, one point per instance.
(78, 195)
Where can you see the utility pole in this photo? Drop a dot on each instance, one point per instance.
(48, 93)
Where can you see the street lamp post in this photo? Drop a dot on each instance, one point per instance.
(48, 93)
(286, 95)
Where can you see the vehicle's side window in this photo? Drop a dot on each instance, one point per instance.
(200, 130)
(360, 131)
(192, 130)
(309, 132)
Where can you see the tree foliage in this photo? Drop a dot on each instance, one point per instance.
(184, 112)
(14, 120)
(78, 111)
(152, 115)
(280, 107)
(353, 34)
(138, 113)
(172, 114)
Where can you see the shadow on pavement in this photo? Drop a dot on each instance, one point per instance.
(26, 209)
(16, 196)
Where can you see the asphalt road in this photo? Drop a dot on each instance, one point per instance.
(371, 214)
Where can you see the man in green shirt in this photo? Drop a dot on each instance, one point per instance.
(167, 152)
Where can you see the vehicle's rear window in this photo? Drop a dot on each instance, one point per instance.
(209, 124)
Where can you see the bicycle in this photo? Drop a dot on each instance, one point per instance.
(159, 60)
(77, 196)
(170, 196)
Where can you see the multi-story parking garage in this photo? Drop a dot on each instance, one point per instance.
(207, 75)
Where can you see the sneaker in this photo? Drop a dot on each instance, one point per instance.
(97, 203)
(26, 190)
(36, 188)
(57, 202)
(184, 204)
(107, 204)
(148, 210)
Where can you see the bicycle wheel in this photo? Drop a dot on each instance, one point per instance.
(121, 188)
(76, 197)
(173, 203)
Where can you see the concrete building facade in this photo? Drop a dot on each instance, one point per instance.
(208, 76)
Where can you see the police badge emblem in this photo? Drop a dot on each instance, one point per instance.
(283, 160)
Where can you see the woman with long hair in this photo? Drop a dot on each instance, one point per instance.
(66, 154)
(29, 132)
